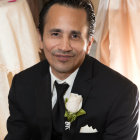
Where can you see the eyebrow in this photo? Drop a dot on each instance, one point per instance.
(60, 31)
(76, 32)
(55, 30)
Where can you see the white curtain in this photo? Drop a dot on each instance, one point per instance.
(18, 49)
(118, 37)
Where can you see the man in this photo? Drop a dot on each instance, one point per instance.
(110, 101)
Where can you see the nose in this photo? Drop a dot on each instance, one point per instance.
(65, 44)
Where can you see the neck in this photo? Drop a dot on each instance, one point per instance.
(62, 76)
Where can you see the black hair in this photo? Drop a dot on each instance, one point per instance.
(82, 4)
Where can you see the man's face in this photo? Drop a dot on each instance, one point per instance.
(65, 39)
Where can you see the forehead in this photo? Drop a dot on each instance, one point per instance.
(63, 15)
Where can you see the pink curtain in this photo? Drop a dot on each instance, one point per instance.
(118, 37)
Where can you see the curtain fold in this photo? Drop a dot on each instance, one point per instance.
(117, 35)
(19, 46)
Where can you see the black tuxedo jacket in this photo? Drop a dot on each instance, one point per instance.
(109, 99)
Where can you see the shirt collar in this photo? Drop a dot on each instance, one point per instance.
(69, 80)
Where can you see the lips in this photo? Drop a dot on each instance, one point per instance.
(63, 58)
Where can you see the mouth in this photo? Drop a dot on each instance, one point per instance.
(63, 58)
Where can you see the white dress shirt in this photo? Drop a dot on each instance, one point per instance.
(69, 80)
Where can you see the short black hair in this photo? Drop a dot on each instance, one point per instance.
(82, 4)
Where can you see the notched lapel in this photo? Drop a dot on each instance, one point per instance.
(84, 81)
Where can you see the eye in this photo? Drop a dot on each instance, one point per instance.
(75, 36)
(55, 34)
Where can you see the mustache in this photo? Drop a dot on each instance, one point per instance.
(61, 52)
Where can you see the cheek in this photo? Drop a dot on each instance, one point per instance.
(79, 47)
(48, 45)
(47, 50)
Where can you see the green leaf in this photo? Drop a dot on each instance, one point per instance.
(69, 118)
(80, 112)
(66, 114)
(73, 118)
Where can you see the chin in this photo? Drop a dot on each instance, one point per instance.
(64, 70)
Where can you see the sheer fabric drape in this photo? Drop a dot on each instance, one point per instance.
(118, 37)
(18, 49)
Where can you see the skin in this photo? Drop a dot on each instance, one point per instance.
(65, 42)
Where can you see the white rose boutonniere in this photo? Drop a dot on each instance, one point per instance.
(73, 107)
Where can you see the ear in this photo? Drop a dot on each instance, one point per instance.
(91, 39)
(40, 40)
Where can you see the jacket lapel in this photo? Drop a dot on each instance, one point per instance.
(84, 80)
(43, 102)
(83, 85)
